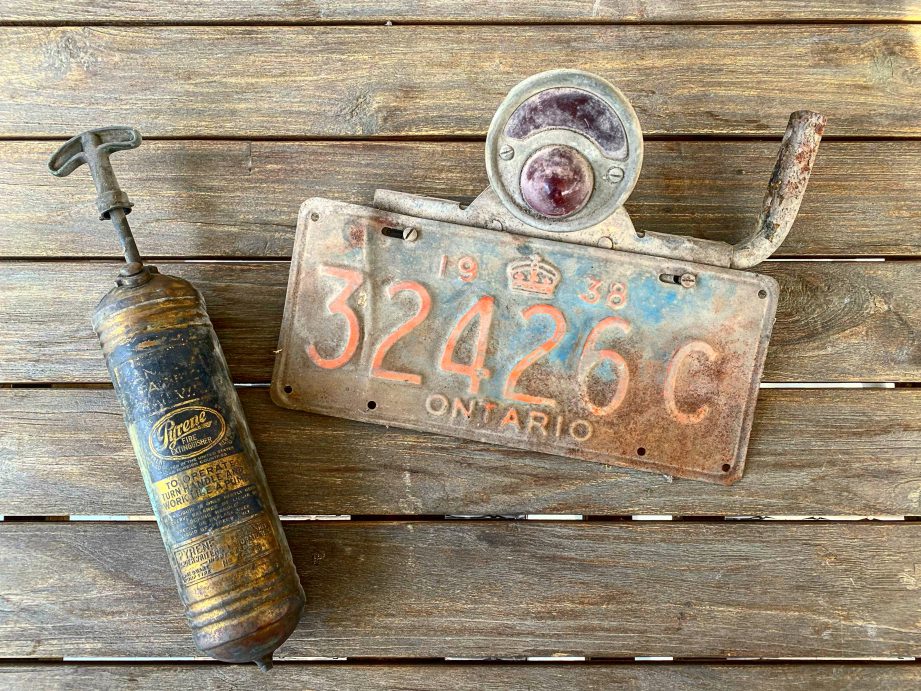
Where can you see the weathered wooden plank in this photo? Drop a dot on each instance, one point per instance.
(512, 588)
(446, 81)
(853, 321)
(237, 198)
(466, 676)
(563, 11)
(46, 308)
(812, 452)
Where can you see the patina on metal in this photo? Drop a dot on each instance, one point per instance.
(226, 546)
(568, 331)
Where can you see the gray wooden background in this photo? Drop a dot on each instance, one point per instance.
(250, 107)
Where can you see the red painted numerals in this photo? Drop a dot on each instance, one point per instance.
(614, 294)
(592, 356)
(559, 330)
(425, 304)
(474, 370)
(474, 329)
(339, 306)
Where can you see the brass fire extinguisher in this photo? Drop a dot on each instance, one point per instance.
(220, 527)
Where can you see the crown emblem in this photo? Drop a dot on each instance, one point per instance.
(533, 275)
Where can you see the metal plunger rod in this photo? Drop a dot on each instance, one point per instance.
(130, 249)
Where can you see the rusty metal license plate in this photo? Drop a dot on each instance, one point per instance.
(584, 352)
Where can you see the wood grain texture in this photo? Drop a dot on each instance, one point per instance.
(46, 309)
(328, 11)
(464, 676)
(240, 199)
(812, 452)
(447, 81)
(856, 321)
(512, 588)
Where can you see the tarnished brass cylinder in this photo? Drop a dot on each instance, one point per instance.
(225, 543)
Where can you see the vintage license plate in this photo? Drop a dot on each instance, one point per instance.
(578, 351)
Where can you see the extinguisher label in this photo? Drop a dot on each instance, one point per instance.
(198, 471)
(186, 433)
(205, 556)
(201, 483)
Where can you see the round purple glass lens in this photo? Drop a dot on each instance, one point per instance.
(556, 181)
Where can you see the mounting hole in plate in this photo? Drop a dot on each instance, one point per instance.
(641, 451)
(396, 233)
(288, 389)
(762, 294)
(726, 467)
(314, 217)
(372, 405)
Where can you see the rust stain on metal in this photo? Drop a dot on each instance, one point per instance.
(537, 316)
(356, 236)
(785, 190)
(531, 343)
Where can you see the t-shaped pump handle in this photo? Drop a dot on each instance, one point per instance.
(93, 148)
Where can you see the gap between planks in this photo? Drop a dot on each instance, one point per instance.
(422, 138)
(472, 661)
(218, 259)
(542, 517)
(447, 23)
(558, 672)
(484, 13)
(550, 659)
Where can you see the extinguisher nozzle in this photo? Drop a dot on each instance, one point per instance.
(93, 148)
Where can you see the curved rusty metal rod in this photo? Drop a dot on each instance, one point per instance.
(785, 189)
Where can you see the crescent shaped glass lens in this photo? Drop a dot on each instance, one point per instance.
(571, 109)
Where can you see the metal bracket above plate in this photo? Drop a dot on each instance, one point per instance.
(615, 232)
(564, 151)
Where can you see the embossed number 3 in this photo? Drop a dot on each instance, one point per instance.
(339, 305)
